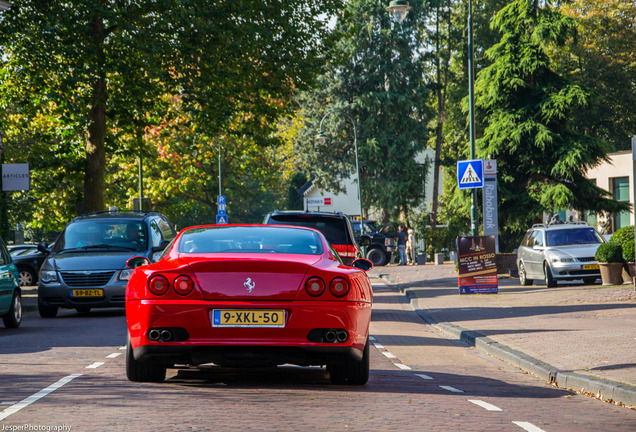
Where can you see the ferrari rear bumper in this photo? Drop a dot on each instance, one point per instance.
(198, 340)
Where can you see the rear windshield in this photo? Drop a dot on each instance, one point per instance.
(573, 237)
(250, 240)
(334, 229)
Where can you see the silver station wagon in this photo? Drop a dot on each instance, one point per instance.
(559, 252)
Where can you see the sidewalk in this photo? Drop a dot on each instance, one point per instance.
(574, 336)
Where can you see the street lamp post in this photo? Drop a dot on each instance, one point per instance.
(398, 10)
(322, 137)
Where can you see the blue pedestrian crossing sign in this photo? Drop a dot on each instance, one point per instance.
(470, 174)
(221, 219)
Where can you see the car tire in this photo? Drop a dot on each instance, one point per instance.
(26, 277)
(523, 277)
(140, 371)
(13, 317)
(377, 257)
(549, 280)
(47, 311)
(589, 280)
(350, 371)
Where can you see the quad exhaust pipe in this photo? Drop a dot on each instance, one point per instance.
(336, 335)
(163, 335)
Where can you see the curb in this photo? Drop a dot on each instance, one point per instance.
(605, 390)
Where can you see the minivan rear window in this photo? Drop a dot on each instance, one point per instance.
(334, 229)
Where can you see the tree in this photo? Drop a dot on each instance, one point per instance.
(604, 59)
(375, 75)
(529, 113)
(101, 67)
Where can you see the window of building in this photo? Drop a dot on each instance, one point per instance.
(620, 189)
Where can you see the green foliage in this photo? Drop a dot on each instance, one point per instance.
(294, 199)
(374, 76)
(82, 81)
(625, 238)
(603, 58)
(529, 112)
(609, 252)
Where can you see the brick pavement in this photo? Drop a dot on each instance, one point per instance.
(578, 336)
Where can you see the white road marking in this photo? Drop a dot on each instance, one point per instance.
(8, 403)
(426, 377)
(388, 355)
(485, 405)
(372, 338)
(95, 365)
(378, 346)
(528, 426)
(452, 389)
(122, 347)
(402, 366)
(37, 396)
(113, 355)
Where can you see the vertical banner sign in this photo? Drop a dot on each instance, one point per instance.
(477, 265)
(491, 218)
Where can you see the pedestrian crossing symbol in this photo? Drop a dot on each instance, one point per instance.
(470, 174)
(221, 219)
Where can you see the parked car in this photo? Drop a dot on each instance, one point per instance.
(559, 252)
(10, 293)
(28, 259)
(86, 266)
(336, 227)
(245, 296)
(381, 247)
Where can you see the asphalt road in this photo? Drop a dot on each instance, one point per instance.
(68, 373)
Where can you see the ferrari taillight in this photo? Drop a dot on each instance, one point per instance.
(339, 287)
(183, 285)
(158, 285)
(315, 286)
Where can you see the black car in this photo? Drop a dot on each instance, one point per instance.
(86, 267)
(28, 259)
(381, 247)
(336, 227)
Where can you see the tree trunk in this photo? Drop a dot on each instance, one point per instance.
(95, 152)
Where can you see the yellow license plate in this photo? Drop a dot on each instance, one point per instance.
(248, 318)
(88, 293)
(590, 266)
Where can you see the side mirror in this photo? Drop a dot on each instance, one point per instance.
(44, 248)
(137, 261)
(362, 264)
(364, 240)
(162, 246)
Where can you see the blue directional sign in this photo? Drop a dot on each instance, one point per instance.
(221, 219)
(470, 174)
(220, 199)
(221, 209)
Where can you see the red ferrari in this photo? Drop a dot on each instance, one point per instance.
(249, 296)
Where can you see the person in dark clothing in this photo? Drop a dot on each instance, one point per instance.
(401, 242)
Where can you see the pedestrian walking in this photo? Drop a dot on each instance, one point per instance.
(401, 242)
(410, 246)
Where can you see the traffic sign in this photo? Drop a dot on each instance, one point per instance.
(221, 209)
(470, 174)
(220, 199)
(221, 219)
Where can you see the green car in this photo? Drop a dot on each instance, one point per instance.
(10, 294)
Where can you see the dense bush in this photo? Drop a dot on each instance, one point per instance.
(609, 252)
(625, 238)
